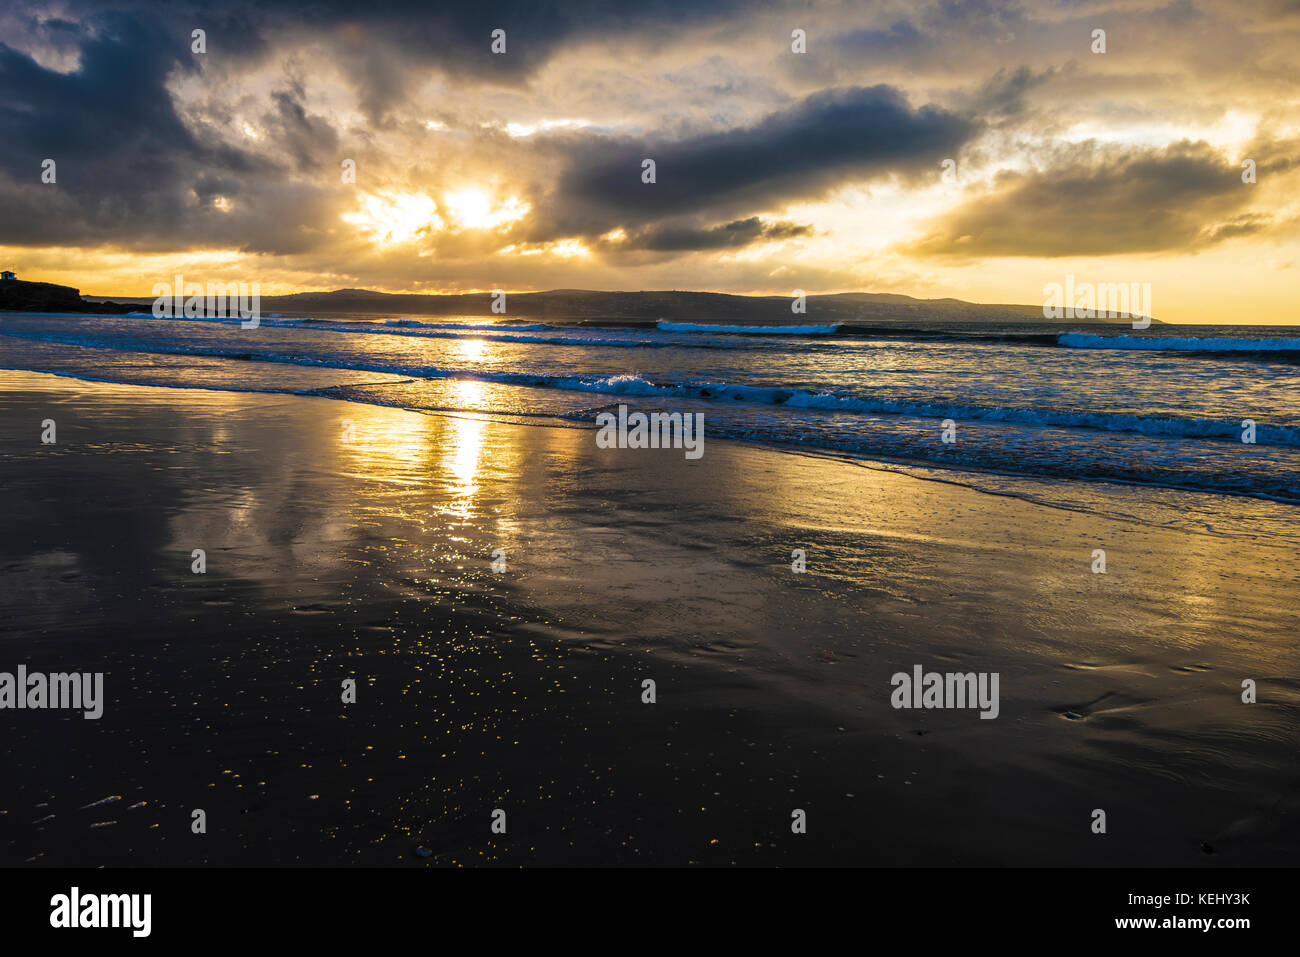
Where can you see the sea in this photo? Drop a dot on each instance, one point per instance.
(1214, 409)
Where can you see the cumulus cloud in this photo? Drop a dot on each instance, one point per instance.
(741, 232)
(827, 140)
(1103, 201)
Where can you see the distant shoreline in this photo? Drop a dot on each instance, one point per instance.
(581, 306)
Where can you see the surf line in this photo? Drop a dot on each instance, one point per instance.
(656, 430)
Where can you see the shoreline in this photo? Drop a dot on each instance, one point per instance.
(918, 469)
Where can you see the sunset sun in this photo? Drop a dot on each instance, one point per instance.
(395, 218)
(474, 208)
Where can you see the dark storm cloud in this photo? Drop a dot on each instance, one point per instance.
(115, 101)
(119, 147)
(1099, 203)
(129, 171)
(742, 232)
(829, 138)
(304, 137)
(384, 48)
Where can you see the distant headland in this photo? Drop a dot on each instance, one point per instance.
(578, 306)
(18, 295)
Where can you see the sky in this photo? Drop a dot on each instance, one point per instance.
(977, 150)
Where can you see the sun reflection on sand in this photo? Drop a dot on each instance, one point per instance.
(393, 446)
(467, 446)
(386, 444)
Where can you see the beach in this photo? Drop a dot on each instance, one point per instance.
(348, 540)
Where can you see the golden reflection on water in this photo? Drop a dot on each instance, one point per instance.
(467, 438)
(387, 444)
(471, 350)
(396, 446)
(468, 392)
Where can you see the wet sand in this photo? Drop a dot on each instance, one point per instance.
(346, 540)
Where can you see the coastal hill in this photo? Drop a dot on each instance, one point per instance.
(577, 306)
(18, 295)
(648, 306)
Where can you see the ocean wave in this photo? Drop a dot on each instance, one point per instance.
(540, 333)
(458, 332)
(1082, 340)
(665, 326)
(1189, 468)
(724, 392)
(481, 326)
(1105, 421)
